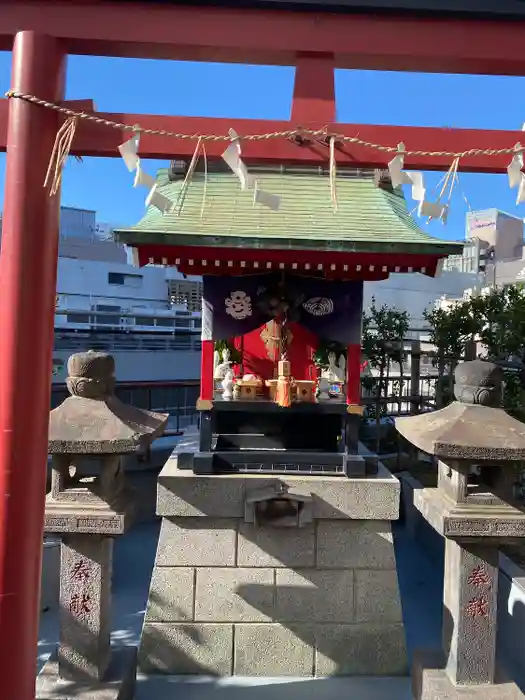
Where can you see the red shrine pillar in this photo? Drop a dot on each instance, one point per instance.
(353, 375)
(28, 265)
(207, 388)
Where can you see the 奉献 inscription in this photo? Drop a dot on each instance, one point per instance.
(80, 570)
(80, 604)
(478, 577)
(477, 607)
(80, 600)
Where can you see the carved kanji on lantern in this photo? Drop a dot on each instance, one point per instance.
(80, 571)
(479, 577)
(477, 517)
(80, 604)
(89, 505)
(477, 607)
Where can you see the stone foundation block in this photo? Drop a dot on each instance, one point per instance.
(377, 596)
(362, 650)
(309, 595)
(186, 649)
(355, 544)
(184, 494)
(286, 547)
(171, 595)
(261, 599)
(274, 650)
(197, 542)
(234, 595)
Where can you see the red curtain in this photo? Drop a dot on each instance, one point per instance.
(261, 357)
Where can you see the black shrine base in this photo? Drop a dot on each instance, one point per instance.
(258, 436)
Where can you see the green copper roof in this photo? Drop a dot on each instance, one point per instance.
(216, 211)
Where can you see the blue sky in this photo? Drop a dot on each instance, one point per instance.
(165, 87)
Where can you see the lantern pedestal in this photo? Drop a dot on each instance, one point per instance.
(475, 508)
(431, 682)
(119, 682)
(89, 505)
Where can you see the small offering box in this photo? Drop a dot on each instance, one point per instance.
(272, 386)
(249, 388)
(304, 390)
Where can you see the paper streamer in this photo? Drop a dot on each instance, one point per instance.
(232, 157)
(129, 152)
(272, 201)
(158, 200)
(142, 179)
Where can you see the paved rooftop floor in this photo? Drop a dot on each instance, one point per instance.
(420, 578)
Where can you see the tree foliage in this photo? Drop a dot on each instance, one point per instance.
(384, 329)
(383, 332)
(496, 321)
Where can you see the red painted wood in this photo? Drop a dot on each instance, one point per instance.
(353, 374)
(257, 360)
(165, 254)
(168, 30)
(337, 274)
(94, 140)
(27, 307)
(313, 98)
(79, 105)
(207, 349)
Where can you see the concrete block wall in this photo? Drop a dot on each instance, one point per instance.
(229, 597)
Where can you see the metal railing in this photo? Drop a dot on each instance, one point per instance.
(421, 382)
(110, 341)
(178, 398)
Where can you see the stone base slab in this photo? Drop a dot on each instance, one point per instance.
(273, 650)
(467, 521)
(430, 682)
(119, 683)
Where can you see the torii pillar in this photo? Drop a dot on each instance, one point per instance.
(28, 265)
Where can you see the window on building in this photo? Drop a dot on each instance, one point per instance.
(78, 318)
(124, 280)
(186, 292)
(112, 318)
(144, 321)
(182, 341)
(165, 322)
(182, 322)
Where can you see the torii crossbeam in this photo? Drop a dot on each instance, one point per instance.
(44, 32)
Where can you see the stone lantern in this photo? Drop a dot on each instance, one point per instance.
(480, 449)
(88, 506)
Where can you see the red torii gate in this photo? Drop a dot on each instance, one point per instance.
(44, 32)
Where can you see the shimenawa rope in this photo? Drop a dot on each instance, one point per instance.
(289, 134)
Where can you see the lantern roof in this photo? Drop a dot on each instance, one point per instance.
(370, 217)
(93, 421)
(472, 427)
